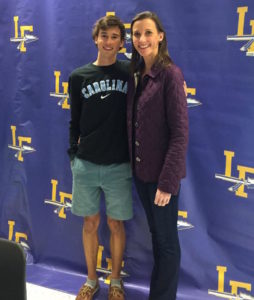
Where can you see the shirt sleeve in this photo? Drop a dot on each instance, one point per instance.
(177, 119)
(74, 89)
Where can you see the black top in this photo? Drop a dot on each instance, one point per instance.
(98, 113)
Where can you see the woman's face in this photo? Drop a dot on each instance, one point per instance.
(146, 38)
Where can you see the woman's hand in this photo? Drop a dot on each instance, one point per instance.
(161, 198)
(185, 88)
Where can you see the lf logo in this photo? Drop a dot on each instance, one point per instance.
(240, 36)
(127, 38)
(20, 238)
(106, 271)
(62, 204)
(182, 224)
(17, 236)
(62, 96)
(238, 183)
(20, 148)
(191, 102)
(24, 38)
(235, 286)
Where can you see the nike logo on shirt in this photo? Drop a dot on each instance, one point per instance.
(105, 96)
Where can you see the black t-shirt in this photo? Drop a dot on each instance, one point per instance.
(98, 113)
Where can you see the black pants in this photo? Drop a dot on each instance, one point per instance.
(162, 221)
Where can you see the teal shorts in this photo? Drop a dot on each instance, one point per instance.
(90, 180)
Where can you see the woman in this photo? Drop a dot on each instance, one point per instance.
(158, 135)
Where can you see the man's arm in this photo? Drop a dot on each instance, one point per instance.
(75, 101)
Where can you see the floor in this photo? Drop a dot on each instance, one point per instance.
(44, 282)
(41, 293)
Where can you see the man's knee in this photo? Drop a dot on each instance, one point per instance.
(115, 226)
(91, 224)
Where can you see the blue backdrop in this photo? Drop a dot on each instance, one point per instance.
(213, 43)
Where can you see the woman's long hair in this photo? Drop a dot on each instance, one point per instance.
(163, 59)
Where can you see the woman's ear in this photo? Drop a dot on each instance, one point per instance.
(161, 36)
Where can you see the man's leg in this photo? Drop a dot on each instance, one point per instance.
(86, 194)
(91, 244)
(117, 187)
(117, 246)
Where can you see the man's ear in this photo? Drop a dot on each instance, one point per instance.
(121, 45)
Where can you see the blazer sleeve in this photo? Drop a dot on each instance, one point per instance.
(174, 167)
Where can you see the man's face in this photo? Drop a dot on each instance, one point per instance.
(109, 41)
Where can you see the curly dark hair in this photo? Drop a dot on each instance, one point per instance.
(107, 22)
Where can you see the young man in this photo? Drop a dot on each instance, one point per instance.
(99, 151)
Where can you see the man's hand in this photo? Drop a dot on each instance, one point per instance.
(72, 163)
(161, 198)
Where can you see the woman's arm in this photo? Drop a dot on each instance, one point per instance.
(177, 120)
